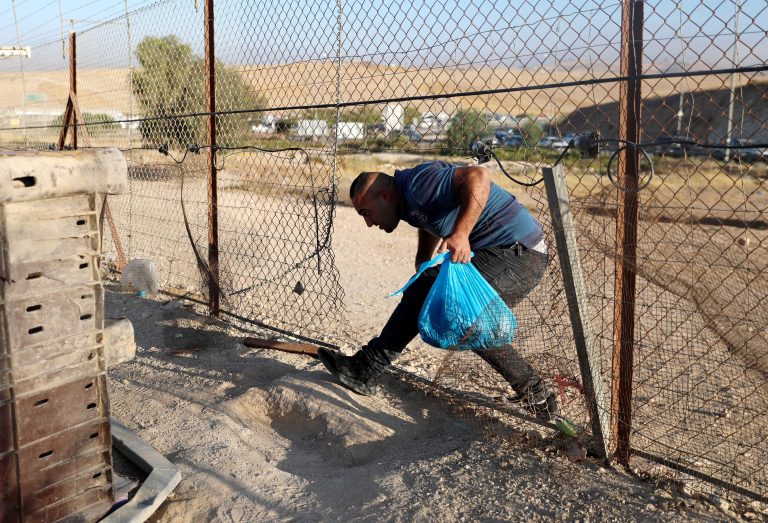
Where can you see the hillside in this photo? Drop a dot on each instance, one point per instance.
(307, 83)
(704, 115)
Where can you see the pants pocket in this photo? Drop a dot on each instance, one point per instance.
(521, 275)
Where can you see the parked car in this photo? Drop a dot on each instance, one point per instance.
(559, 144)
(514, 140)
(501, 135)
(490, 140)
(552, 142)
(674, 146)
(545, 142)
(751, 155)
(376, 129)
(413, 135)
(678, 150)
(719, 153)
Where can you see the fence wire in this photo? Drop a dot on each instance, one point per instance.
(340, 81)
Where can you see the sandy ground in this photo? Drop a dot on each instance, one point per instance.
(263, 436)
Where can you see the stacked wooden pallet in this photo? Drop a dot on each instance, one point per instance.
(55, 444)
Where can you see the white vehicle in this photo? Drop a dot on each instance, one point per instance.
(311, 129)
(351, 131)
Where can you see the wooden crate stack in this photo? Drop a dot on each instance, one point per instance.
(55, 443)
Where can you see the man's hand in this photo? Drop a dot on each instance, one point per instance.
(458, 244)
(472, 186)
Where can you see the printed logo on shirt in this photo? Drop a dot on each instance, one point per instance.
(418, 216)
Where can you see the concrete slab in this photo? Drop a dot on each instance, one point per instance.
(163, 476)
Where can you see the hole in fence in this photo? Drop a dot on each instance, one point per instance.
(45, 454)
(83, 265)
(89, 385)
(98, 474)
(24, 181)
(33, 308)
(90, 406)
(81, 222)
(94, 435)
(41, 402)
(35, 330)
(86, 316)
(34, 275)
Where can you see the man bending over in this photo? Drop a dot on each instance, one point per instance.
(460, 210)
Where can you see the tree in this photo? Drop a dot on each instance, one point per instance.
(532, 132)
(412, 115)
(171, 82)
(467, 126)
(366, 115)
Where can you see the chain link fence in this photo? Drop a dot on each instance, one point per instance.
(305, 93)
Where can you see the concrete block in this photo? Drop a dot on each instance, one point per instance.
(35, 175)
(119, 345)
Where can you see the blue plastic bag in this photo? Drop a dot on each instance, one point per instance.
(462, 311)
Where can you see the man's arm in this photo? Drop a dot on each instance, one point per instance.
(472, 186)
(427, 244)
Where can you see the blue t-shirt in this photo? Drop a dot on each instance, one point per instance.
(428, 201)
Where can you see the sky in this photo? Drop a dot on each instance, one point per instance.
(420, 32)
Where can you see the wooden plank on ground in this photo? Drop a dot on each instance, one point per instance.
(284, 346)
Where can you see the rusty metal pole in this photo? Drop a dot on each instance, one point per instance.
(213, 196)
(73, 82)
(626, 227)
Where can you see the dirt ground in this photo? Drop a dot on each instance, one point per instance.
(265, 436)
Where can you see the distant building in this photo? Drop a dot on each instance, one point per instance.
(393, 118)
(311, 129)
(267, 124)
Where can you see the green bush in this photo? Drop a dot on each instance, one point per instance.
(411, 114)
(106, 122)
(284, 125)
(467, 126)
(395, 140)
(531, 131)
(366, 115)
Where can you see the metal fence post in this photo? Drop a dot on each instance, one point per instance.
(69, 111)
(626, 227)
(578, 307)
(73, 81)
(213, 196)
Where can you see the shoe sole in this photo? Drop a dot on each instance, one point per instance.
(351, 384)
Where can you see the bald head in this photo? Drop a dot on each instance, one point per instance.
(375, 198)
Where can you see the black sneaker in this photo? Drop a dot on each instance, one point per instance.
(350, 371)
(545, 408)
